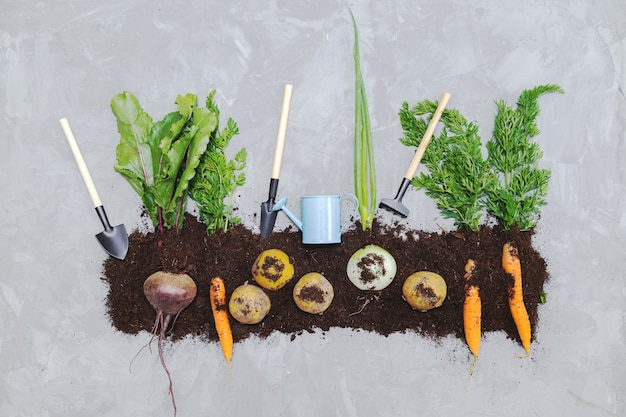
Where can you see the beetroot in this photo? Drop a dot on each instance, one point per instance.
(168, 294)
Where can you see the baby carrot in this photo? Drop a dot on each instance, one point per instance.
(471, 310)
(219, 306)
(511, 265)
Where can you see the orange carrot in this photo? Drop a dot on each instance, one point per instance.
(511, 265)
(471, 310)
(219, 306)
(471, 316)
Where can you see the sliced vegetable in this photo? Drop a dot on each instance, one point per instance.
(371, 268)
(217, 295)
(272, 269)
(313, 293)
(424, 290)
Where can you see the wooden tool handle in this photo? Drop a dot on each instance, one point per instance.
(419, 153)
(282, 131)
(82, 166)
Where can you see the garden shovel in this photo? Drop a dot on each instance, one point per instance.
(395, 204)
(113, 239)
(268, 216)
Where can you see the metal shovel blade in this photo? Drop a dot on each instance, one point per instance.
(395, 204)
(114, 240)
(268, 216)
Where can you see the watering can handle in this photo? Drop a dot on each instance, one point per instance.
(282, 131)
(356, 208)
(419, 153)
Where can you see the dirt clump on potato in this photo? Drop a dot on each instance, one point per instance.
(272, 269)
(249, 304)
(424, 290)
(313, 293)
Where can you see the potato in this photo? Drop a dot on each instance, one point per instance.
(371, 268)
(272, 269)
(249, 304)
(424, 290)
(313, 293)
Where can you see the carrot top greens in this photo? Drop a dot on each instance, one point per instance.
(521, 187)
(507, 184)
(457, 176)
(217, 177)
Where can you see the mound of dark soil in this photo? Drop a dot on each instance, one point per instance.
(231, 255)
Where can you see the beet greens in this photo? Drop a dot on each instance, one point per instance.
(159, 159)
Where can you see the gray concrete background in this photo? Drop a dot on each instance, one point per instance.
(60, 357)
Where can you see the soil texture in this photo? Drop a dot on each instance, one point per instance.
(230, 255)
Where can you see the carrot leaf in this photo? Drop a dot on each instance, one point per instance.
(518, 194)
(508, 184)
(218, 177)
(457, 175)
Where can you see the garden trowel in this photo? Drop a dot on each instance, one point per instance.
(268, 216)
(395, 204)
(113, 239)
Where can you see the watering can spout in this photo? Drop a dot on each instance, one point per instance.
(280, 205)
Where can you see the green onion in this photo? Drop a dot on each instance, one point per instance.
(364, 170)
